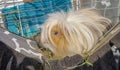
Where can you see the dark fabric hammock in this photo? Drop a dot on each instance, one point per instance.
(18, 53)
(19, 59)
(12, 60)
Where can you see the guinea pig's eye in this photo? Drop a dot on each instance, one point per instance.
(56, 33)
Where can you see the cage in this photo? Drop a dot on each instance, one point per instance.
(24, 19)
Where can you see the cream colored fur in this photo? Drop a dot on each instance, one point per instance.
(76, 31)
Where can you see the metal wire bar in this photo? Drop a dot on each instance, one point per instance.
(106, 38)
(77, 4)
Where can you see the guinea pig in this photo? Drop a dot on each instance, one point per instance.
(73, 32)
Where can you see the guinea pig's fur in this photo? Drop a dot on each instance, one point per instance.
(73, 32)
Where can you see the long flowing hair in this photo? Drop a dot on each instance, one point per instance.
(73, 32)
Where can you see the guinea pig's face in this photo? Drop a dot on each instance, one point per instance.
(56, 35)
(58, 40)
